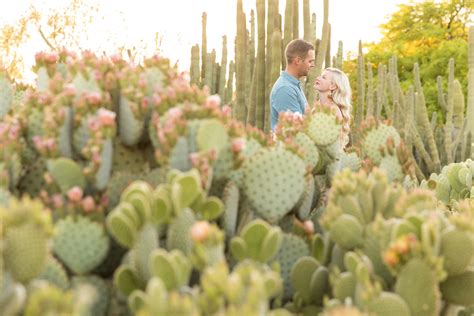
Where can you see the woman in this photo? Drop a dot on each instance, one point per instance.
(335, 92)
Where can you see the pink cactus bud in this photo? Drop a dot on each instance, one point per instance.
(145, 104)
(174, 113)
(96, 158)
(161, 136)
(94, 98)
(52, 57)
(115, 58)
(308, 226)
(88, 204)
(93, 124)
(57, 201)
(227, 110)
(43, 99)
(213, 154)
(213, 101)
(157, 99)
(48, 178)
(74, 194)
(238, 145)
(106, 117)
(39, 56)
(200, 231)
(194, 157)
(50, 144)
(69, 90)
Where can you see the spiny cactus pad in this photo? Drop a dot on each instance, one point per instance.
(80, 244)
(274, 182)
(212, 134)
(292, 248)
(323, 128)
(66, 173)
(376, 138)
(416, 284)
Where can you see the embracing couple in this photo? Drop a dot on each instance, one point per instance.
(332, 86)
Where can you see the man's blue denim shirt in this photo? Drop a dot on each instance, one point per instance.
(286, 95)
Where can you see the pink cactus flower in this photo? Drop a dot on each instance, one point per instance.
(106, 117)
(75, 194)
(200, 231)
(88, 204)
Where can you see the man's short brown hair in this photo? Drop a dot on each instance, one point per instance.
(297, 48)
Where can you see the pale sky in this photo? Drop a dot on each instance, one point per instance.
(179, 21)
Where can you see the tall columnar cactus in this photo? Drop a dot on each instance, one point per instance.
(422, 120)
(470, 89)
(370, 91)
(272, 15)
(306, 21)
(296, 22)
(339, 56)
(359, 115)
(223, 68)
(203, 47)
(260, 77)
(194, 70)
(320, 57)
(251, 48)
(448, 126)
(288, 30)
(380, 96)
(229, 90)
(327, 62)
(240, 109)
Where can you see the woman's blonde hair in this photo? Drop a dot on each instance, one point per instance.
(342, 95)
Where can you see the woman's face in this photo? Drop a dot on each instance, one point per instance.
(324, 82)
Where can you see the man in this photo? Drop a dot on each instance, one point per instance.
(287, 94)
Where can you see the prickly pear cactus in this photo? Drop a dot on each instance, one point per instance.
(26, 228)
(267, 175)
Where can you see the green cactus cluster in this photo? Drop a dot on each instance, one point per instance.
(156, 199)
(454, 183)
